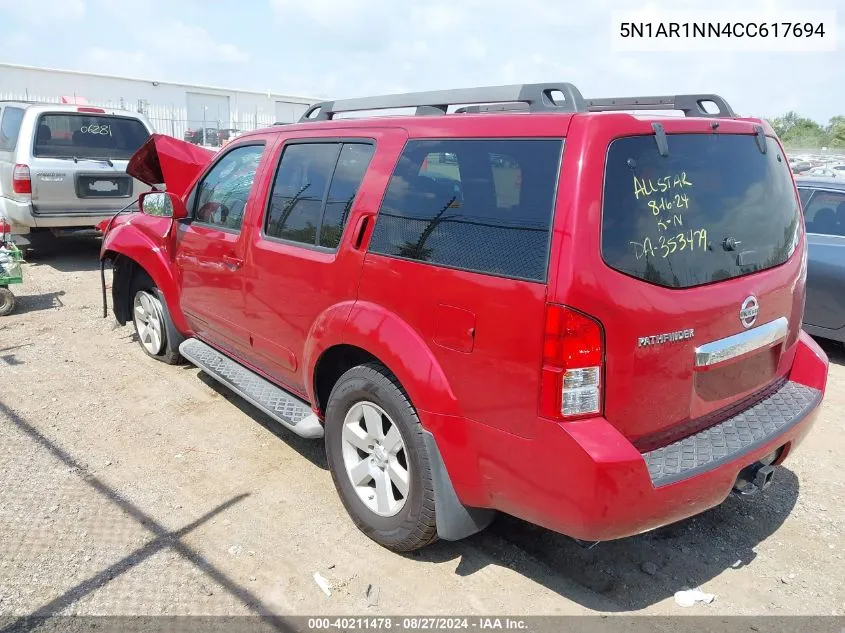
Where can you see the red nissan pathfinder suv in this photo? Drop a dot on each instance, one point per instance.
(513, 299)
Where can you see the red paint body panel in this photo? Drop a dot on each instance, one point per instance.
(213, 288)
(289, 285)
(166, 160)
(468, 347)
(149, 242)
(585, 478)
(498, 382)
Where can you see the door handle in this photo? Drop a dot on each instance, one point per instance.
(361, 230)
(233, 262)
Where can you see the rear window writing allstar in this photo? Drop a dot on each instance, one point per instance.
(714, 208)
(667, 202)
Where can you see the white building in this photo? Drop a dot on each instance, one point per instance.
(172, 108)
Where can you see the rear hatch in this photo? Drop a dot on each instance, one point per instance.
(79, 159)
(698, 279)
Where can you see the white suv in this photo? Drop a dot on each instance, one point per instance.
(63, 167)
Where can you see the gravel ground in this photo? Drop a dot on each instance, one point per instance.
(131, 487)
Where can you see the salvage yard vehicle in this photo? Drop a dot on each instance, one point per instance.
(824, 214)
(537, 304)
(63, 167)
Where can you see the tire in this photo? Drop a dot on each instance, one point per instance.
(365, 399)
(150, 320)
(7, 301)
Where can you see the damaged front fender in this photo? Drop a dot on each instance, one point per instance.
(138, 244)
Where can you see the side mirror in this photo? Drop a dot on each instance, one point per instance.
(162, 204)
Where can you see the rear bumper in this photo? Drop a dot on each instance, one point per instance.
(22, 218)
(586, 480)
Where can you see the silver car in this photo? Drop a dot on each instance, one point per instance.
(63, 167)
(823, 200)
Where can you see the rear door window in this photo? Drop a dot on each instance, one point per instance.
(351, 166)
(314, 190)
(299, 189)
(715, 208)
(479, 205)
(10, 127)
(83, 135)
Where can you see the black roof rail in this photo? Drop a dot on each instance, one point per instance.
(544, 97)
(690, 105)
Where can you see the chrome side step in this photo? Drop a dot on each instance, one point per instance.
(288, 410)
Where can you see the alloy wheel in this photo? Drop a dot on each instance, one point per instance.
(375, 459)
(149, 322)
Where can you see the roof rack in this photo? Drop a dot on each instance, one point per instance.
(690, 105)
(544, 97)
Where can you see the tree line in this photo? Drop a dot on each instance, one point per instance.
(801, 132)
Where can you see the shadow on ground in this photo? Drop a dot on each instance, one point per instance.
(835, 351)
(633, 573)
(68, 254)
(160, 538)
(34, 303)
(312, 450)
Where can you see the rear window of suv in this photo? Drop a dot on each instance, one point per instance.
(715, 208)
(88, 136)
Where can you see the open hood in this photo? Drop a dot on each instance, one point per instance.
(168, 161)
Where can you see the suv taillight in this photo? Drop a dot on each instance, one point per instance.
(573, 364)
(21, 180)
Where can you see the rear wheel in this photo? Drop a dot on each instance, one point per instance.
(7, 301)
(150, 320)
(378, 459)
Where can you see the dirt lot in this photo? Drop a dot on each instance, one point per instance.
(131, 487)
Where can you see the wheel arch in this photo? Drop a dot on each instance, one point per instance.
(130, 250)
(368, 333)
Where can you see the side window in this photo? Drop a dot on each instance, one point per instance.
(299, 189)
(477, 205)
(825, 214)
(315, 186)
(10, 127)
(351, 166)
(222, 196)
(805, 195)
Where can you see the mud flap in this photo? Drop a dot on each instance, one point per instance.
(174, 337)
(454, 520)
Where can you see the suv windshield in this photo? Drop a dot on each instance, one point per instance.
(85, 135)
(715, 208)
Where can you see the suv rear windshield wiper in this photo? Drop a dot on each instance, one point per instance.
(76, 159)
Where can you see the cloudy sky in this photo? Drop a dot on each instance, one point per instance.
(340, 48)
